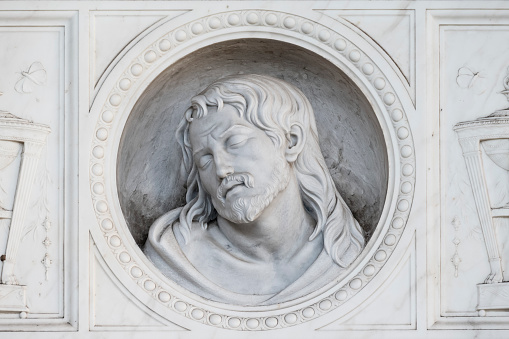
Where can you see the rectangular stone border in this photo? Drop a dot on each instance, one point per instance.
(67, 318)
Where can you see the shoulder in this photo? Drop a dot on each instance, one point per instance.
(199, 241)
(198, 245)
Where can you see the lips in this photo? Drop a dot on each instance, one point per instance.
(229, 186)
(229, 190)
(224, 189)
(231, 181)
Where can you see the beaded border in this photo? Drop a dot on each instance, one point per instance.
(278, 21)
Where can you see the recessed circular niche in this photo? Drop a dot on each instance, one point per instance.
(352, 110)
(149, 179)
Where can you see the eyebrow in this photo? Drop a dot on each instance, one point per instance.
(231, 128)
(236, 126)
(197, 151)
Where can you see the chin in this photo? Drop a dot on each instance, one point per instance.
(248, 208)
(239, 217)
(241, 211)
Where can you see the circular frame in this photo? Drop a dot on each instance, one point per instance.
(126, 83)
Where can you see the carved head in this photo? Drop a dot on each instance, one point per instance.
(239, 166)
(276, 123)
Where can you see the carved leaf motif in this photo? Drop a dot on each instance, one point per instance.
(3, 192)
(46, 242)
(466, 207)
(475, 233)
(46, 261)
(40, 206)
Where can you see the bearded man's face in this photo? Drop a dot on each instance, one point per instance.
(238, 164)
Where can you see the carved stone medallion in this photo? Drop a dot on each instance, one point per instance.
(125, 88)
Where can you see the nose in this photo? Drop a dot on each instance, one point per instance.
(223, 167)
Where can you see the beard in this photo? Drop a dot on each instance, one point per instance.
(246, 209)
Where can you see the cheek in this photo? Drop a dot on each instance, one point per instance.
(262, 152)
(207, 181)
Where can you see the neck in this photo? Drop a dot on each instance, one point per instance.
(278, 233)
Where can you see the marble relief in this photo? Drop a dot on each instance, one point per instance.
(18, 137)
(245, 169)
(367, 179)
(263, 221)
(490, 136)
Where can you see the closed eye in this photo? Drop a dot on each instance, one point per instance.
(205, 160)
(236, 141)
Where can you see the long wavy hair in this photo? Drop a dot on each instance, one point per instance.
(273, 106)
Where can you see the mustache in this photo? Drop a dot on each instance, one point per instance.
(232, 180)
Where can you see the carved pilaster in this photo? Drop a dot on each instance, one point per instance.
(482, 202)
(28, 170)
(493, 132)
(33, 138)
(470, 146)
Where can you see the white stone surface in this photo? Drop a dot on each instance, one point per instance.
(411, 69)
(263, 221)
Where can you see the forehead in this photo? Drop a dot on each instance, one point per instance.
(215, 123)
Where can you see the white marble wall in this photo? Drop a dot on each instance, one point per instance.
(418, 275)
